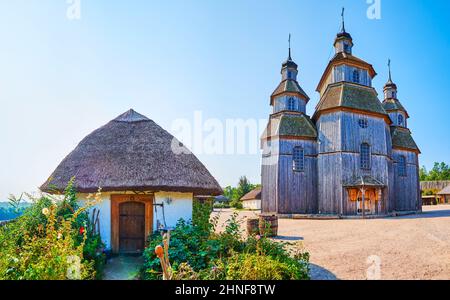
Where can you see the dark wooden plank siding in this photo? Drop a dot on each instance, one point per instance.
(406, 196)
(297, 192)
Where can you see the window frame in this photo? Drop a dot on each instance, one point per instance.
(402, 118)
(363, 123)
(346, 47)
(402, 166)
(365, 161)
(291, 103)
(298, 159)
(356, 74)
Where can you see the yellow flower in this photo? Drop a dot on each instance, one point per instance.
(45, 211)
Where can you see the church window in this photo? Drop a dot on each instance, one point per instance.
(356, 76)
(291, 104)
(402, 166)
(298, 159)
(363, 123)
(365, 156)
(400, 120)
(394, 95)
(346, 48)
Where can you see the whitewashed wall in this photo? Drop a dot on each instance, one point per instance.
(176, 206)
(252, 204)
(179, 208)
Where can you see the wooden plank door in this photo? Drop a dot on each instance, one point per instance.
(131, 222)
(131, 227)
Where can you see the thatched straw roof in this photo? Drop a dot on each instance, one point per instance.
(445, 191)
(253, 195)
(132, 153)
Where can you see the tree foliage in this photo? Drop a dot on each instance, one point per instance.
(244, 186)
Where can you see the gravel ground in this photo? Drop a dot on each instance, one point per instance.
(409, 247)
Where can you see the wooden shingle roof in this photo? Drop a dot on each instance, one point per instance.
(402, 139)
(253, 195)
(289, 86)
(290, 125)
(445, 191)
(393, 105)
(351, 96)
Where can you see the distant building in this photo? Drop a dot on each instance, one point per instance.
(430, 199)
(252, 200)
(221, 199)
(354, 156)
(445, 195)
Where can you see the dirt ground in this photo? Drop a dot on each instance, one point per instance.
(409, 247)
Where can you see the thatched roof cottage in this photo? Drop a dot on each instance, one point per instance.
(147, 177)
(252, 200)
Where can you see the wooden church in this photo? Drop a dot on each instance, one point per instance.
(354, 156)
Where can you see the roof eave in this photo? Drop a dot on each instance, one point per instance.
(195, 190)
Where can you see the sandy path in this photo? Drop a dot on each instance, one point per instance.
(411, 247)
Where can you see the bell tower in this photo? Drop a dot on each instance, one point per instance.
(392, 105)
(289, 96)
(289, 144)
(343, 42)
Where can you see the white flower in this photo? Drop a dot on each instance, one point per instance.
(45, 211)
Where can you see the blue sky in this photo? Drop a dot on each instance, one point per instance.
(61, 79)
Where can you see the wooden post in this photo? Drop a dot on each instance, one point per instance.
(363, 190)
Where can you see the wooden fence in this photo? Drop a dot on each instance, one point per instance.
(434, 185)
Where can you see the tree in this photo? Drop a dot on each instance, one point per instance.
(244, 186)
(423, 173)
(236, 193)
(440, 171)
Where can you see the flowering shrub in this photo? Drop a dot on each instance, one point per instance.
(48, 242)
(196, 251)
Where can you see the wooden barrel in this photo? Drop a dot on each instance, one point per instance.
(268, 225)
(252, 226)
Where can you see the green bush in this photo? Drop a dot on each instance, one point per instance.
(196, 251)
(221, 205)
(251, 266)
(51, 239)
(430, 192)
(236, 204)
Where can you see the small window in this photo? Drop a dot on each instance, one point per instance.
(298, 159)
(402, 166)
(363, 123)
(401, 120)
(291, 104)
(356, 76)
(346, 48)
(394, 95)
(365, 156)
